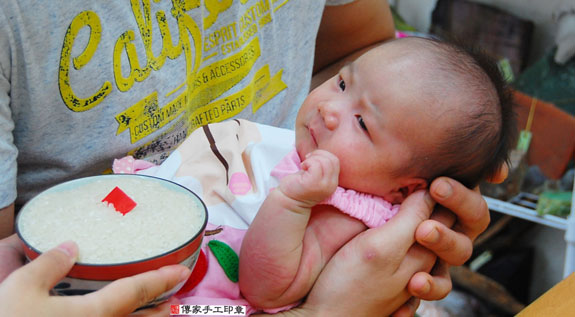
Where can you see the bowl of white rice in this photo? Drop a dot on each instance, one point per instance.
(165, 225)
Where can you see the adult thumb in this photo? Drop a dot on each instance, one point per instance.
(49, 268)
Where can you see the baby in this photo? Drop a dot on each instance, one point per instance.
(402, 114)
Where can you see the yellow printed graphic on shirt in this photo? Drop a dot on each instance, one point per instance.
(206, 94)
(261, 89)
(75, 103)
(146, 117)
(88, 20)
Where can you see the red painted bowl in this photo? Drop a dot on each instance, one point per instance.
(140, 240)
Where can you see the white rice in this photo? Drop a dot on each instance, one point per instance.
(162, 220)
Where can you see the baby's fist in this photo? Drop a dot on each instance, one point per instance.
(316, 181)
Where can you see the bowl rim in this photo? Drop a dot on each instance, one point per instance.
(200, 232)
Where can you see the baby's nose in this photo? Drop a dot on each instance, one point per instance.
(329, 115)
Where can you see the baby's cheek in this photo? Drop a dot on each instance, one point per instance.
(349, 176)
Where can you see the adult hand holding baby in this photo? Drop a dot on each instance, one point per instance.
(376, 261)
(449, 237)
(25, 292)
(387, 254)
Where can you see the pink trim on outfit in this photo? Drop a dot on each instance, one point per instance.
(374, 211)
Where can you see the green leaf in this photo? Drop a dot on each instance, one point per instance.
(227, 258)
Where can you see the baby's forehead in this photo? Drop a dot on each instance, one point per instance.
(412, 55)
(410, 45)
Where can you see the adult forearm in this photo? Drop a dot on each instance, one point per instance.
(348, 28)
(11, 255)
(6, 221)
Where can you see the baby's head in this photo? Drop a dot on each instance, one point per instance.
(406, 112)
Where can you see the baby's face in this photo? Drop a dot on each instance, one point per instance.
(371, 116)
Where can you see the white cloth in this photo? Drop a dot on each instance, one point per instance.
(229, 165)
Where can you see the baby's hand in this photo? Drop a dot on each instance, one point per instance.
(316, 181)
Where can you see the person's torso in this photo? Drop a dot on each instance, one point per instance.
(91, 80)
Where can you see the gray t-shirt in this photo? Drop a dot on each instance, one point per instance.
(84, 82)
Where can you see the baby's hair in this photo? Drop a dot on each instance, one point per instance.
(475, 148)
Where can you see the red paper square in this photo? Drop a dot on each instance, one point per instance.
(122, 202)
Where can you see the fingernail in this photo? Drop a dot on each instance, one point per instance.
(185, 274)
(443, 189)
(70, 248)
(432, 236)
(425, 288)
(184, 271)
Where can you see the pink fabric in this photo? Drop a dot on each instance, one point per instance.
(129, 165)
(374, 211)
(215, 288)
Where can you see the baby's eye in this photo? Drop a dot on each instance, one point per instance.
(341, 84)
(361, 122)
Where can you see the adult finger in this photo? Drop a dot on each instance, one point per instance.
(408, 309)
(468, 205)
(401, 228)
(434, 286)
(435, 235)
(444, 216)
(49, 268)
(414, 210)
(417, 259)
(501, 174)
(452, 246)
(136, 290)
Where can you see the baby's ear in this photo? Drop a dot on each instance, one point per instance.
(407, 187)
